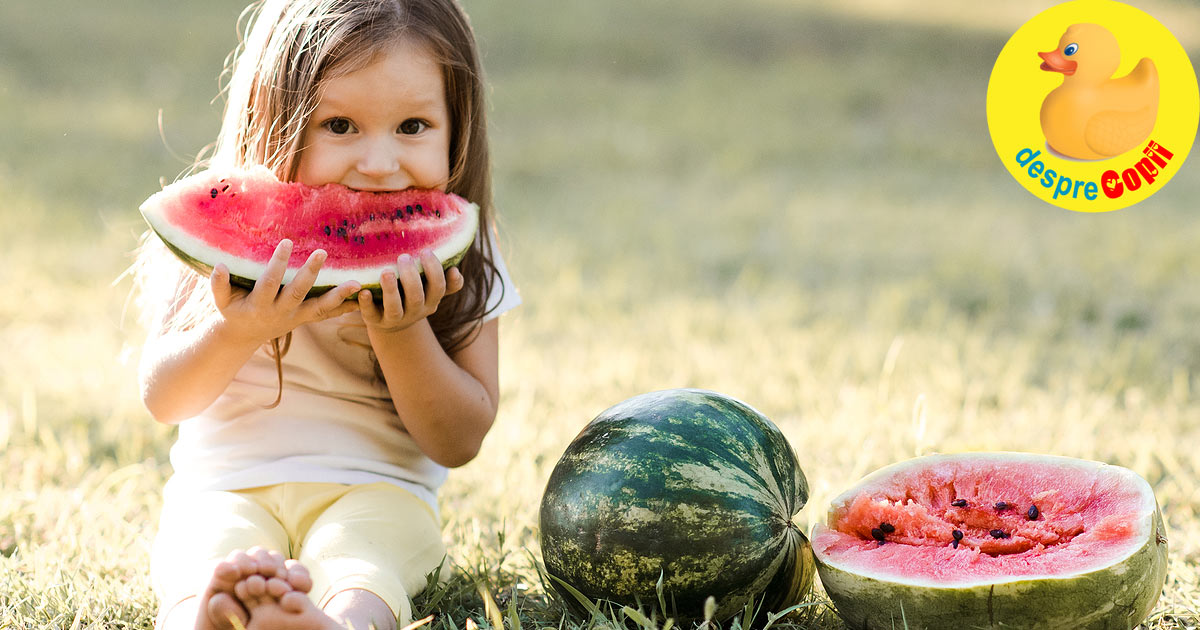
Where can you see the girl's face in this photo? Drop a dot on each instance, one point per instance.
(382, 127)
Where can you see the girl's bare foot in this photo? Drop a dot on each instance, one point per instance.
(218, 606)
(274, 605)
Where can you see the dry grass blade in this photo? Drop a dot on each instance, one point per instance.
(419, 623)
(490, 609)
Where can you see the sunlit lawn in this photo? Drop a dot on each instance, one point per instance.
(797, 207)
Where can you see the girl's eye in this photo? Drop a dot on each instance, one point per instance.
(1071, 49)
(412, 126)
(338, 126)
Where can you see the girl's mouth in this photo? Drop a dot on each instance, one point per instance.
(379, 190)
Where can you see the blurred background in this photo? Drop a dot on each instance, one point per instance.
(794, 202)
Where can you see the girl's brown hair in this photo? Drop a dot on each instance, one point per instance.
(292, 46)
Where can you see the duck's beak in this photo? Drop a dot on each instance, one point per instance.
(1054, 61)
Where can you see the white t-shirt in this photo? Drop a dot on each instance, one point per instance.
(335, 422)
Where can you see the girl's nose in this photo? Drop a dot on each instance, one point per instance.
(379, 158)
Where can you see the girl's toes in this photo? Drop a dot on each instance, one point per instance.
(295, 602)
(251, 589)
(223, 609)
(242, 561)
(298, 577)
(270, 563)
(276, 587)
(225, 575)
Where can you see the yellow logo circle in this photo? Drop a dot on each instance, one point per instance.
(1093, 105)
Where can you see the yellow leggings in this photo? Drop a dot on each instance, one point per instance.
(378, 537)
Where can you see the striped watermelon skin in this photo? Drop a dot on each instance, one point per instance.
(688, 485)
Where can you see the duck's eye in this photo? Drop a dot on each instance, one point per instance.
(1071, 49)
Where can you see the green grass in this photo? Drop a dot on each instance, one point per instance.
(796, 206)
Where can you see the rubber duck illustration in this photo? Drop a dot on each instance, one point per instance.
(1093, 116)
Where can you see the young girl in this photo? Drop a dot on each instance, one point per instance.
(314, 432)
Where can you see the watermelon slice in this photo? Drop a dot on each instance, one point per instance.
(994, 540)
(238, 217)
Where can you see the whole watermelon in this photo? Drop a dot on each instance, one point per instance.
(685, 486)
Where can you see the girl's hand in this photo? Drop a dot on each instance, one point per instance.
(418, 302)
(272, 309)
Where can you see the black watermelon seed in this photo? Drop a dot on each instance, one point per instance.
(887, 528)
(328, 230)
(408, 209)
(225, 188)
(959, 503)
(341, 232)
(954, 543)
(1033, 513)
(877, 534)
(958, 535)
(1001, 505)
(418, 208)
(997, 533)
(372, 216)
(214, 193)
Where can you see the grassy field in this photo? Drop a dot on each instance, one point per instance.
(791, 203)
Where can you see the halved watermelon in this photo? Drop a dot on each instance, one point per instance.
(994, 540)
(238, 217)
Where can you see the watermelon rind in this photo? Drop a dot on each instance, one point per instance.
(247, 272)
(671, 497)
(1117, 596)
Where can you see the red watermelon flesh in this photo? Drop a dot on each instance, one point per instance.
(1017, 518)
(238, 217)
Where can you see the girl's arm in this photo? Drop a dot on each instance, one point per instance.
(183, 371)
(446, 402)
